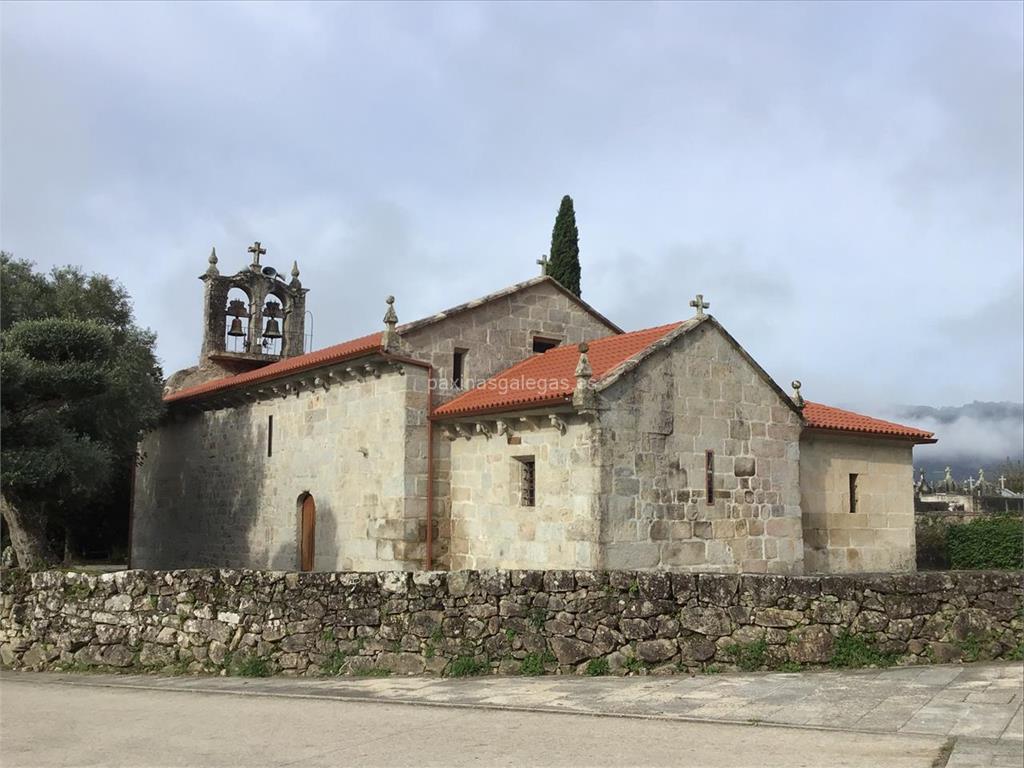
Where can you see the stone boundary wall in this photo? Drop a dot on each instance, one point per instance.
(471, 622)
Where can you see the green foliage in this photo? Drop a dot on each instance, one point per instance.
(564, 264)
(634, 588)
(334, 664)
(252, 666)
(466, 666)
(597, 667)
(1016, 654)
(80, 385)
(748, 656)
(853, 651)
(634, 665)
(791, 666)
(713, 669)
(537, 617)
(988, 542)
(975, 647)
(533, 665)
(370, 671)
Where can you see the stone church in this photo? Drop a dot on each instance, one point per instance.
(522, 429)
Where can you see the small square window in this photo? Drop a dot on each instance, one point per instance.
(541, 345)
(527, 481)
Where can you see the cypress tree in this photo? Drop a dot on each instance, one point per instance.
(564, 263)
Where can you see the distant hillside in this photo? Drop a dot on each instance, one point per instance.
(974, 435)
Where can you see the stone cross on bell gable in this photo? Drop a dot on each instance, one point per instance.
(543, 262)
(699, 304)
(256, 250)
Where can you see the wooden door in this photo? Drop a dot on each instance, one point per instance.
(307, 535)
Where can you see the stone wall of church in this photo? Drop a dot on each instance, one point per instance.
(879, 535)
(699, 394)
(494, 335)
(492, 528)
(208, 494)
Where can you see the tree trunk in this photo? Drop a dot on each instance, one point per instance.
(28, 536)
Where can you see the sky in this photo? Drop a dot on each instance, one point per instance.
(843, 182)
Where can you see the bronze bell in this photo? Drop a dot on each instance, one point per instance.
(236, 327)
(273, 329)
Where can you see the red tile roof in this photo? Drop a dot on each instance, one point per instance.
(551, 376)
(818, 416)
(355, 348)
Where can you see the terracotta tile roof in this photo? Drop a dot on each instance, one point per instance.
(356, 347)
(366, 344)
(551, 376)
(818, 416)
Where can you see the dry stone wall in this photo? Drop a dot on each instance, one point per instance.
(497, 621)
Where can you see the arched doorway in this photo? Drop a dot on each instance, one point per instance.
(307, 531)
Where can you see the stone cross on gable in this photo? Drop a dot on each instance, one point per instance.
(700, 305)
(256, 250)
(543, 262)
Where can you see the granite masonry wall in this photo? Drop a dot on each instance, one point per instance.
(699, 394)
(511, 622)
(215, 490)
(491, 528)
(879, 534)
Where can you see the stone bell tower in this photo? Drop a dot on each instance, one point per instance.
(266, 323)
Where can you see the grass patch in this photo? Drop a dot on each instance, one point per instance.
(598, 667)
(334, 664)
(749, 656)
(852, 652)
(371, 671)
(533, 664)
(537, 618)
(975, 647)
(252, 666)
(1017, 654)
(466, 666)
(634, 665)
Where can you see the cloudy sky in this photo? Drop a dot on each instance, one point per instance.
(843, 182)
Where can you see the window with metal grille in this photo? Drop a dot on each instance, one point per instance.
(709, 476)
(527, 481)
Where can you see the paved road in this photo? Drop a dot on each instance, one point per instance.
(49, 725)
(887, 717)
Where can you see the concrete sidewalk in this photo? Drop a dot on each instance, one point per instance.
(978, 705)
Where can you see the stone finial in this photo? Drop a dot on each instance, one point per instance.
(543, 262)
(700, 305)
(212, 269)
(797, 397)
(295, 275)
(390, 342)
(949, 475)
(584, 397)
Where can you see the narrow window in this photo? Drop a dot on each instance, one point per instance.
(527, 481)
(457, 363)
(853, 493)
(709, 476)
(270, 435)
(541, 344)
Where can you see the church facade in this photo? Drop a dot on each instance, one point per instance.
(519, 430)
